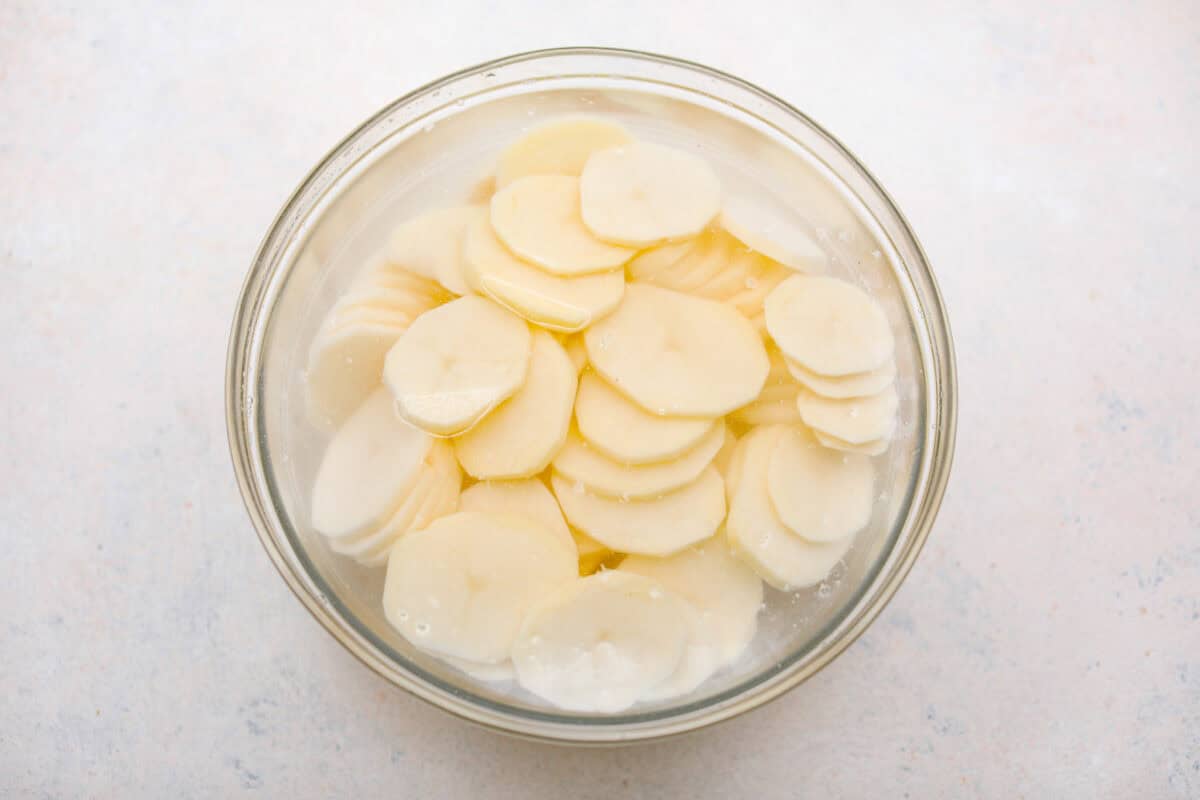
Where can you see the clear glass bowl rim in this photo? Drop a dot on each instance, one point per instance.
(246, 449)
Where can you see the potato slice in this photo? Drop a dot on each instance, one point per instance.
(592, 554)
(366, 470)
(820, 494)
(678, 355)
(776, 403)
(763, 227)
(657, 527)
(703, 259)
(559, 147)
(523, 433)
(856, 420)
(537, 217)
(576, 351)
(456, 363)
(600, 643)
(461, 587)
(828, 325)
(344, 366)
(859, 384)
(625, 432)
(759, 537)
(560, 304)
(430, 245)
(641, 194)
(872, 448)
(579, 462)
(525, 498)
(725, 591)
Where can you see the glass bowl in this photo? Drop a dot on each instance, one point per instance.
(428, 148)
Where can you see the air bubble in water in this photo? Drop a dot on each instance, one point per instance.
(824, 590)
(422, 628)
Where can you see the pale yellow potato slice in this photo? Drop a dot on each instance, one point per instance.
(576, 351)
(560, 147)
(678, 355)
(652, 261)
(820, 494)
(600, 474)
(344, 366)
(601, 643)
(856, 420)
(776, 403)
(724, 457)
(462, 586)
(759, 537)
(560, 304)
(456, 363)
(763, 227)
(366, 470)
(872, 448)
(625, 432)
(759, 275)
(656, 527)
(592, 554)
(703, 259)
(537, 218)
(698, 662)
(524, 498)
(430, 245)
(828, 325)
(725, 592)
(859, 384)
(641, 194)
(523, 433)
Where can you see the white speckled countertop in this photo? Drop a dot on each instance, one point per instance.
(1047, 644)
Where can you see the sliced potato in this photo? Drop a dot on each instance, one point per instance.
(560, 147)
(762, 226)
(527, 498)
(625, 432)
(820, 494)
(856, 420)
(860, 384)
(872, 448)
(430, 245)
(828, 325)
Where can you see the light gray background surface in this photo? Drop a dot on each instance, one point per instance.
(1047, 644)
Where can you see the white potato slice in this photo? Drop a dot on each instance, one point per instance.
(456, 363)
(560, 304)
(641, 194)
(828, 325)
(560, 147)
(764, 227)
(592, 554)
(602, 642)
(576, 351)
(656, 527)
(368, 466)
(856, 420)
(625, 432)
(872, 448)
(860, 384)
(776, 403)
(537, 217)
(344, 366)
(704, 259)
(462, 586)
(698, 662)
(579, 462)
(493, 673)
(759, 537)
(820, 494)
(678, 355)
(525, 498)
(725, 591)
(523, 433)
(431, 245)
(653, 261)
(434, 493)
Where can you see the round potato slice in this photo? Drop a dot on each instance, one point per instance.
(560, 304)
(625, 432)
(859, 384)
(640, 194)
(368, 466)
(560, 147)
(537, 217)
(776, 403)
(431, 245)
(526, 498)
(655, 527)
(704, 259)
(520, 437)
(856, 420)
(579, 462)
(759, 537)
(456, 363)
(678, 355)
(699, 660)
(344, 366)
(602, 642)
(828, 325)
(725, 591)
(461, 587)
(820, 494)
(763, 227)
(872, 448)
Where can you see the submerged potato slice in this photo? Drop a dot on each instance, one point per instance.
(856, 420)
(763, 227)
(430, 245)
(820, 494)
(625, 432)
(559, 147)
(524, 498)
(829, 326)
(860, 384)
